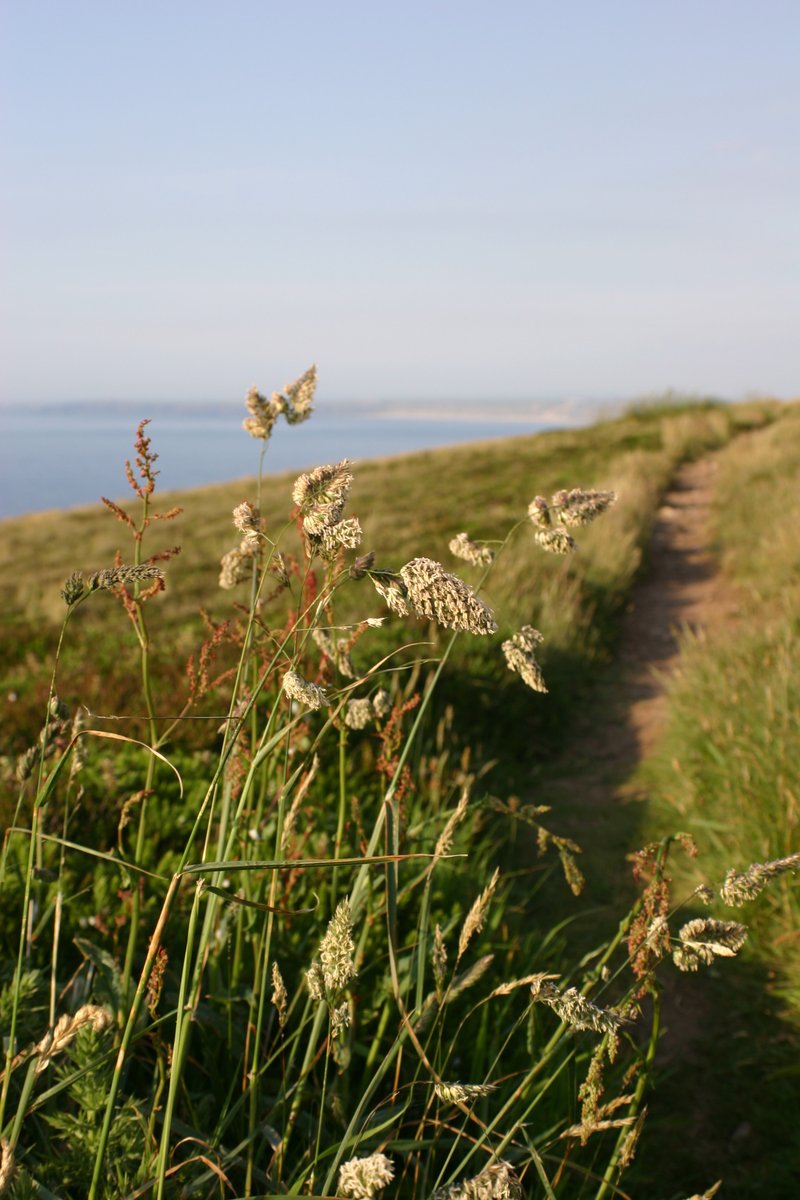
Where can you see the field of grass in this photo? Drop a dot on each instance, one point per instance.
(245, 940)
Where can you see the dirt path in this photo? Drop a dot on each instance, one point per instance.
(595, 791)
(680, 590)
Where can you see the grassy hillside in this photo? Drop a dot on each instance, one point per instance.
(245, 931)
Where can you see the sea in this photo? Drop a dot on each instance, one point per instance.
(67, 455)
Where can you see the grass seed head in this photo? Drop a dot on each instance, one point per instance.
(704, 939)
(344, 534)
(497, 1182)
(237, 565)
(361, 1178)
(336, 950)
(359, 713)
(280, 997)
(299, 397)
(556, 540)
(321, 495)
(462, 546)
(444, 598)
(477, 914)
(539, 513)
(520, 655)
(581, 507)
(738, 889)
(574, 1009)
(462, 1093)
(73, 589)
(297, 688)
(263, 415)
(66, 1029)
(394, 593)
(247, 520)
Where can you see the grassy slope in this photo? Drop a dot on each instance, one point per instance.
(408, 506)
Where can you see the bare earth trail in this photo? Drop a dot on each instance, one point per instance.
(591, 790)
(591, 793)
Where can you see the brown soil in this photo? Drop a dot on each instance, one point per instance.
(680, 590)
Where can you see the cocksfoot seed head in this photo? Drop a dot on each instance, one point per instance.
(359, 713)
(434, 593)
(520, 654)
(738, 889)
(581, 506)
(247, 520)
(497, 1182)
(462, 546)
(462, 1093)
(362, 1178)
(556, 540)
(321, 495)
(73, 589)
(297, 688)
(574, 1009)
(237, 565)
(704, 939)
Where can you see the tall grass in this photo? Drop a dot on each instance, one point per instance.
(295, 953)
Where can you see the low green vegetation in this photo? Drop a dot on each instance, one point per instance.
(275, 920)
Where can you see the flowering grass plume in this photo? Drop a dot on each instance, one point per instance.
(704, 939)
(299, 396)
(361, 1178)
(435, 593)
(462, 1093)
(336, 650)
(462, 546)
(520, 654)
(106, 580)
(497, 1182)
(556, 540)
(280, 997)
(574, 1009)
(295, 403)
(237, 565)
(473, 922)
(393, 593)
(581, 507)
(335, 967)
(566, 509)
(321, 495)
(247, 519)
(737, 889)
(66, 1029)
(297, 688)
(359, 713)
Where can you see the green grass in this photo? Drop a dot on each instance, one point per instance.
(197, 1084)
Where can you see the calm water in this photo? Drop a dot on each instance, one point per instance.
(61, 457)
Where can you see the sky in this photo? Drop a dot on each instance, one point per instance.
(477, 202)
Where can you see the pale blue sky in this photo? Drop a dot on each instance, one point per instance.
(456, 199)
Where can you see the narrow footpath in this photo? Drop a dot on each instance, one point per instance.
(697, 1131)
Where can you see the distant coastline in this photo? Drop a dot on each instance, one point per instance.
(55, 456)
